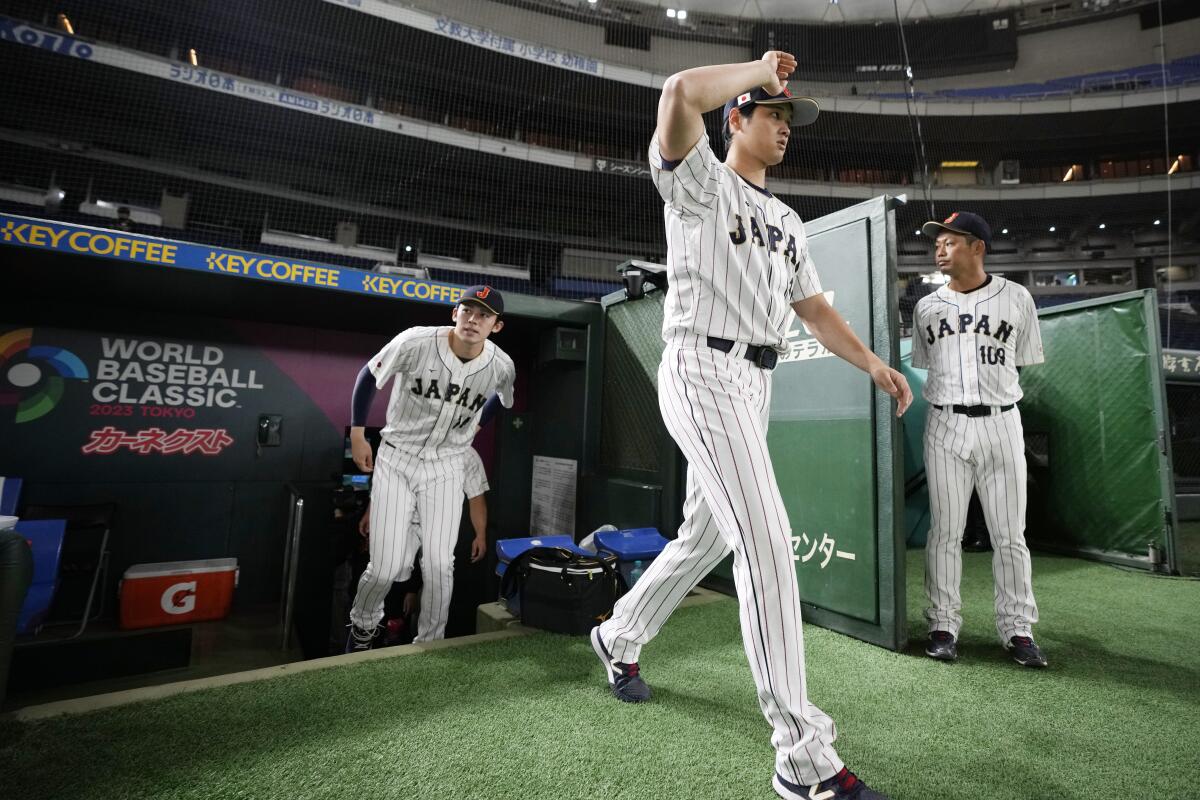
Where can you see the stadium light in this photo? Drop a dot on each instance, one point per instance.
(671, 13)
(592, 2)
(64, 23)
(1175, 167)
(193, 59)
(1070, 172)
(682, 14)
(1158, 222)
(408, 248)
(1005, 231)
(1102, 226)
(1053, 229)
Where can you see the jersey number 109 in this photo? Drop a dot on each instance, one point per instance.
(991, 355)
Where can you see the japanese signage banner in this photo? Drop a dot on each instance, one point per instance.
(475, 35)
(22, 33)
(165, 253)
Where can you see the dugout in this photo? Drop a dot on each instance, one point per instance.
(104, 329)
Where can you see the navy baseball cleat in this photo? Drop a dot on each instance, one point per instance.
(843, 786)
(942, 646)
(358, 639)
(624, 679)
(1025, 652)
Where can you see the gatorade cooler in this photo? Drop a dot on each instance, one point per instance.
(177, 592)
(631, 546)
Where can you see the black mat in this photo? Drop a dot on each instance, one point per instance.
(44, 666)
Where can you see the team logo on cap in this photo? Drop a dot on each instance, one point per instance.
(743, 98)
(950, 218)
(484, 292)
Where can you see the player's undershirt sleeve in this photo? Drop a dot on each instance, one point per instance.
(361, 397)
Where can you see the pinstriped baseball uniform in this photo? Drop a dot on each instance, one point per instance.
(972, 343)
(737, 259)
(434, 407)
(435, 603)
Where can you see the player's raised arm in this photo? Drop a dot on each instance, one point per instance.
(689, 94)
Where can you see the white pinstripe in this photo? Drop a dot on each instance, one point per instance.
(716, 407)
(972, 360)
(737, 258)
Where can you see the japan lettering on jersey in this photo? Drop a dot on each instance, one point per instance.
(737, 256)
(436, 398)
(973, 342)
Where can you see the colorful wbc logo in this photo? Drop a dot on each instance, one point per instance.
(34, 376)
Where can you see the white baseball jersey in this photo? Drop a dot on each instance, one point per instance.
(972, 343)
(475, 480)
(737, 256)
(737, 259)
(436, 398)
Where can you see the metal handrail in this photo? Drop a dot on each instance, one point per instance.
(291, 561)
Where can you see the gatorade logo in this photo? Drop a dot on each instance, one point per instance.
(179, 598)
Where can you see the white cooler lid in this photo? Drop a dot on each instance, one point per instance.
(7, 522)
(160, 568)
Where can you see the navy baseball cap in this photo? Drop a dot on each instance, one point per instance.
(804, 109)
(961, 222)
(485, 296)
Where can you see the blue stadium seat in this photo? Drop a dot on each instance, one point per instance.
(10, 495)
(45, 537)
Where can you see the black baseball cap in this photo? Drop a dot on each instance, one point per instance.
(485, 296)
(963, 222)
(804, 109)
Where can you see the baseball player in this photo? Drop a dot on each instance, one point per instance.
(443, 378)
(972, 335)
(738, 268)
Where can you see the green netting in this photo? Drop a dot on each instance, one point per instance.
(631, 427)
(1095, 424)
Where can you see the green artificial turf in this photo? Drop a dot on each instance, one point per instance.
(1117, 714)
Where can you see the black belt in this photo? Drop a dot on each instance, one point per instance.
(760, 355)
(977, 411)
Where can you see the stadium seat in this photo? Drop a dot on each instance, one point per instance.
(45, 537)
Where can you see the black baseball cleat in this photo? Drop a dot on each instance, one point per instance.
(358, 639)
(843, 786)
(1025, 652)
(942, 646)
(624, 679)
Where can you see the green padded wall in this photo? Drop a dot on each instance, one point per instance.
(1106, 490)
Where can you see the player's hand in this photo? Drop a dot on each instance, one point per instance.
(410, 603)
(360, 451)
(783, 64)
(892, 382)
(364, 524)
(478, 548)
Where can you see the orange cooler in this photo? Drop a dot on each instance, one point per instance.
(177, 592)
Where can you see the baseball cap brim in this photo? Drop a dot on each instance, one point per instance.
(478, 302)
(804, 109)
(932, 229)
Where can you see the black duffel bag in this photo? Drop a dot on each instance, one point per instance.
(562, 591)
